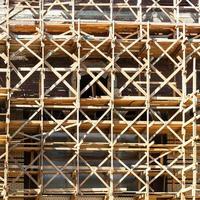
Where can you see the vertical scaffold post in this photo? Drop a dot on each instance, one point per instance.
(183, 129)
(8, 87)
(148, 112)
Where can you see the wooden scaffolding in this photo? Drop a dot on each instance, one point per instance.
(99, 99)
